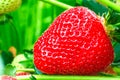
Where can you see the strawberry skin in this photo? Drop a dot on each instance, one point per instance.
(75, 43)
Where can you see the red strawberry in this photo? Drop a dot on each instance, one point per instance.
(5, 77)
(75, 43)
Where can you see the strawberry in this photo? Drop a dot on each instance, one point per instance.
(5, 77)
(8, 5)
(76, 43)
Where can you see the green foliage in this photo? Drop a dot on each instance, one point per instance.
(10, 70)
(95, 6)
(117, 51)
(117, 70)
(7, 57)
(23, 61)
(28, 63)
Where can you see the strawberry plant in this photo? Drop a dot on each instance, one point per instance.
(81, 43)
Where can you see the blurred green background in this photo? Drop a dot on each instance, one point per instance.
(22, 27)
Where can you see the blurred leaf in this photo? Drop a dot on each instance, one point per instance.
(117, 52)
(80, 2)
(2, 19)
(24, 60)
(114, 32)
(116, 64)
(8, 34)
(17, 59)
(28, 55)
(27, 63)
(7, 57)
(96, 7)
(32, 77)
(117, 70)
(10, 70)
(25, 21)
(114, 17)
(28, 51)
(58, 10)
(118, 2)
(69, 2)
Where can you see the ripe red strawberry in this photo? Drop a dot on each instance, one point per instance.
(5, 77)
(75, 43)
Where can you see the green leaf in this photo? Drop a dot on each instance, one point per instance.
(28, 55)
(79, 2)
(95, 6)
(116, 62)
(110, 4)
(10, 70)
(17, 59)
(7, 57)
(117, 70)
(117, 52)
(32, 77)
(27, 63)
(114, 17)
(118, 2)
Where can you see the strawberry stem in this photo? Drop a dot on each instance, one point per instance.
(57, 3)
(68, 77)
(110, 4)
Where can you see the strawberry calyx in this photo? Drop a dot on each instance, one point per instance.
(113, 26)
(114, 33)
